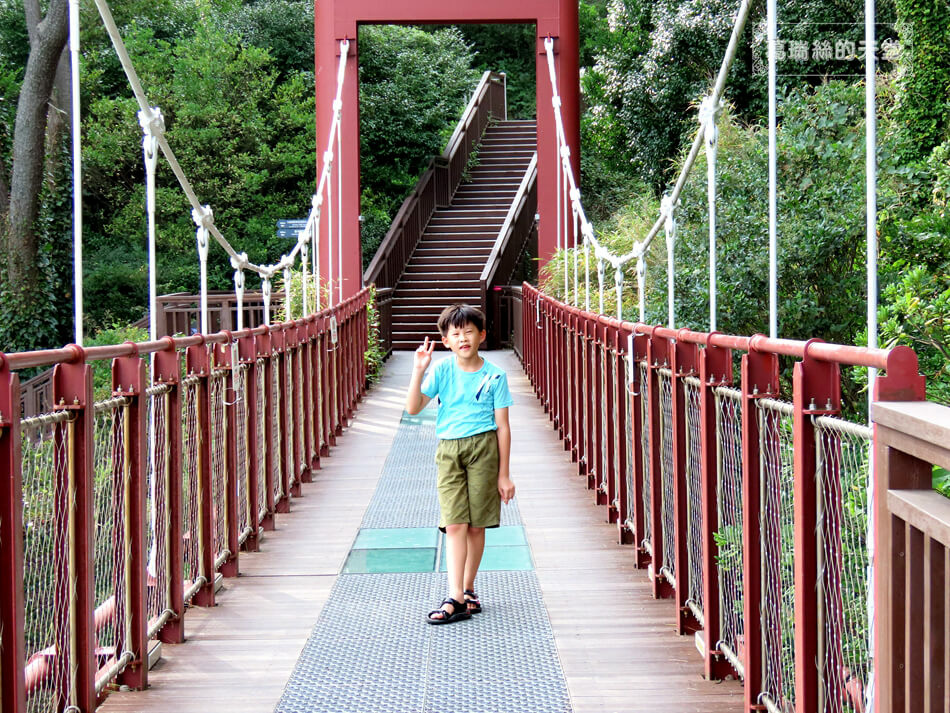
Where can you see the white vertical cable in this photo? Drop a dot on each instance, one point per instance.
(600, 282)
(641, 282)
(328, 160)
(870, 110)
(339, 197)
(669, 226)
(305, 280)
(288, 309)
(587, 270)
(203, 218)
(708, 114)
(559, 194)
(266, 289)
(568, 193)
(618, 285)
(239, 263)
(317, 202)
(152, 124)
(772, 13)
(77, 167)
(577, 298)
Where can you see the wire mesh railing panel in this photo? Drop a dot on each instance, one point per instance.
(276, 411)
(668, 513)
(45, 450)
(778, 557)
(298, 406)
(844, 563)
(156, 537)
(288, 400)
(240, 450)
(219, 444)
(191, 488)
(728, 536)
(645, 488)
(109, 580)
(261, 497)
(631, 505)
(694, 495)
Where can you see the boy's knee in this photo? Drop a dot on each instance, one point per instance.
(457, 528)
(476, 530)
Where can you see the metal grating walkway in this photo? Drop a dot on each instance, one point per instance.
(371, 650)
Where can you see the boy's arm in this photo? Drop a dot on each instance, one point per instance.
(506, 488)
(415, 399)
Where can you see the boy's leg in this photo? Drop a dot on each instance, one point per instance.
(456, 548)
(476, 546)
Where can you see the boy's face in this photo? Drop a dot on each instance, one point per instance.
(464, 340)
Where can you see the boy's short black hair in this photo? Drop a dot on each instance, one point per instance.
(458, 316)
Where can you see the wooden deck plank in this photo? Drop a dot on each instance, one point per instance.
(617, 645)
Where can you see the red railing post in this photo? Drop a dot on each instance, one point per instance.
(265, 350)
(588, 462)
(658, 357)
(281, 415)
(224, 359)
(294, 427)
(638, 392)
(715, 369)
(619, 443)
(316, 390)
(129, 380)
(684, 362)
(570, 336)
(760, 379)
(198, 364)
(12, 641)
(560, 346)
(326, 393)
(816, 391)
(603, 421)
(72, 391)
(166, 369)
(247, 358)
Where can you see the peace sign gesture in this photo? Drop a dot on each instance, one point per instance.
(423, 355)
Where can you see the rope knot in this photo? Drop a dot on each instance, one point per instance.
(203, 217)
(152, 121)
(239, 261)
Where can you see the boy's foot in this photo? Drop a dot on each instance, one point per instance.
(444, 616)
(471, 600)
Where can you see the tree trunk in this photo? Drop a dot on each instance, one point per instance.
(29, 143)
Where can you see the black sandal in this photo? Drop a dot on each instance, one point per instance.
(459, 612)
(471, 599)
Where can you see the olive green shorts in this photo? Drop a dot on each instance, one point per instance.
(468, 480)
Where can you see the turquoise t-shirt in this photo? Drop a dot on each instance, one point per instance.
(467, 400)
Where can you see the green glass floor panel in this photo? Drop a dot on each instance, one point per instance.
(505, 557)
(415, 559)
(396, 538)
(427, 415)
(508, 535)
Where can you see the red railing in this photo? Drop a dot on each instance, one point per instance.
(116, 514)
(749, 511)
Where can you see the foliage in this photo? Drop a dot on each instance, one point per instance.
(374, 355)
(102, 370)
(283, 27)
(510, 49)
(413, 88)
(923, 109)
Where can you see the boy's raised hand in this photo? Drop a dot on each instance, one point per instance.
(423, 355)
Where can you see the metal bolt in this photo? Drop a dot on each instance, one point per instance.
(62, 401)
(812, 406)
(829, 406)
(76, 401)
(755, 388)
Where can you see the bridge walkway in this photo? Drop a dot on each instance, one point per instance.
(615, 646)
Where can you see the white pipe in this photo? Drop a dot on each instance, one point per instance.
(328, 160)
(202, 219)
(77, 167)
(239, 294)
(151, 124)
(666, 206)
(288, 306)
(773, 172)
(265, 289)
(317, 202)
(339, 197)
(708, 115)
(305, 278)
(641, 281)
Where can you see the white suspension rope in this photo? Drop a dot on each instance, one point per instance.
(670, 228)
(266, 290)
(641, 282)
(305, 278)
(575, 251)
(203, 218)
(339, 197)
(772, 16)
(708, 114)
(77, 168)
(239, 285)
(151, 117)
(288, 311)
(152, 125)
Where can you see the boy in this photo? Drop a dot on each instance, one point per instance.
(473, 452)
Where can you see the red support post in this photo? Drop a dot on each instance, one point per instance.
(247, 358)
(624, 444)
(198, 364)
(282, 412)
(166, 369)
(306, 376)
(760, 379)
(658, 357)
(129, 380)
(327, 389)
(224, 359)
(605, 422)
(560, 345)
(294, 427)
(816, 391)
(573, 386)
(12, 642)
(72, 391)
(715, 369)
(684, 362)
(587, 464)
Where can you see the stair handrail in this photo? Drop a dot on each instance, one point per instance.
(514, 219)
(438, 182)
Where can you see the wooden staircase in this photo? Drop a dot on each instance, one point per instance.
(448, 260)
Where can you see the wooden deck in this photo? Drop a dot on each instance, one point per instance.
(617, 645)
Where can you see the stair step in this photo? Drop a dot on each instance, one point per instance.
(465, 225)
